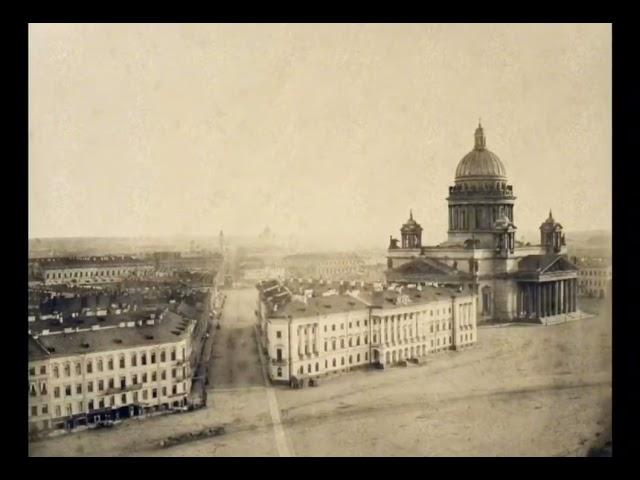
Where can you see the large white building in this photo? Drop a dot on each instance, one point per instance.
(109, 369)
(511, 280)
(319, 332)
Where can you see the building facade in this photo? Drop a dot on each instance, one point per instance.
(93, 270)
(86, 376)
(312, 335)
(511, 280)
(594, 278)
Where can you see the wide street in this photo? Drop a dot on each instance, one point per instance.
(522, 390)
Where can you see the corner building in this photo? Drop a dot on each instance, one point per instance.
(512, 281)
(318, 334)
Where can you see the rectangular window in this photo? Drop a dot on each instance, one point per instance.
(164, 391)
(122, 361)
(174, 389)
(67, 390)
(144, 377)
(43, 370)
(143, 359)
(90, 387)
(45, 409)
(34, 411)
(134, 379)
(100, 385)
(144, 394)
(278, 334)
(58, 411)
(134, 360)
(154, 376)
(56, 392)
(89, 366)
(123, 398)
(173, 355)
(153, 358)
(110, 363)
(111, 383)
(154, 393)
(91, 405)
(79, 389)
(163, 375)
(163, 356)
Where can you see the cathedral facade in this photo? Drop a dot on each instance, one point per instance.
(512, 281)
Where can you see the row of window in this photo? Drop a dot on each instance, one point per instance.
(93, 273)
(110, 383)
(123, 399)
(135, 359)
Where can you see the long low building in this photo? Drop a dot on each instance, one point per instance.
(313, 333)
(110, 368)
(93, 270)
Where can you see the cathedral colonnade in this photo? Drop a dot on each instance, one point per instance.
(547, 298)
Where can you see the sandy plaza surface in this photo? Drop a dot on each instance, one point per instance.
(521, 390)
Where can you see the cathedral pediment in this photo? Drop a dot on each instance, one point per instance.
(424, 269)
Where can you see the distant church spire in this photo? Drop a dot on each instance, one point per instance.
(481, 141)
(410, 214)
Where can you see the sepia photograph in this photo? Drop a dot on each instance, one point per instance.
(319, 240)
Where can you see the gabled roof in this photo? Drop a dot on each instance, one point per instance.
(425, 269)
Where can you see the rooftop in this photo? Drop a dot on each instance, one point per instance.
(170, 328)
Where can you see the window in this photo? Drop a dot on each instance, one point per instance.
(349, 341)
(278, 334)
(342, 326)
(110, 363)
(123, 382)
(366, 355)
(89, 366)
(349, 324)
(79, 389)
(154, 376)
(153, 358)
(32, 390)
(67, 390)
(69, 409)
(45, 409)
(163, 375)
(173, 373)
(111, 383)
(134, 359)
(122, 361)
(342, 361)
(56, 372)
(163, 356)
(365, 323)
(101, 403)
(350, 359)
(309, 368)
(67, 370)
(144, 377)
(134, 379)
(80, 406)
(333, 344)
(325, 328)
(325, 346)
(135, 397)
(173, 355)
(58, 411)
(123, 398)
(100, 385)
(90, 387)
(334, 362)
(317, 367)
(143, 358)
(154, 393)
(145, 394)
(358, 358)
(279, 372)
(100, 366)
(333, 328)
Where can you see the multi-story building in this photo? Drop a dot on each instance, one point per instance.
(318, 333)
(103, 368)
(329, 266)
(594, 277)
(92, 270)
(511, 280)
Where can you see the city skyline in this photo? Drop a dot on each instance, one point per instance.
(330, 131)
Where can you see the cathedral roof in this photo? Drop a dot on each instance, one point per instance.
(411, 225)
(424, 270)
(480, 163)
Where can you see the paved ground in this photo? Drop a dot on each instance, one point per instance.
(530, 390)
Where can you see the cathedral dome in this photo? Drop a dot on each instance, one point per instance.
(480, 163)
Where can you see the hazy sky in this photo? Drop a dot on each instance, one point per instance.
(324, 130)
